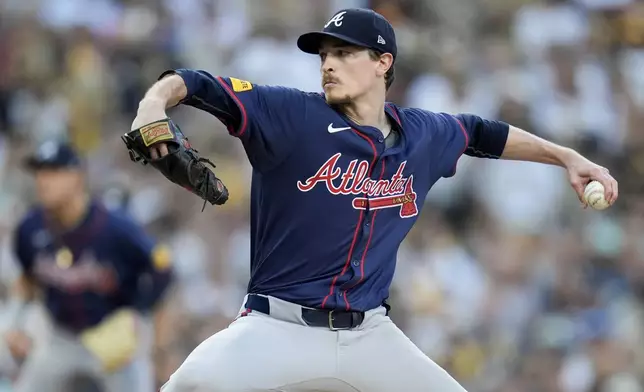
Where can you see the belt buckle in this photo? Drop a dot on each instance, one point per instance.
(331, 327)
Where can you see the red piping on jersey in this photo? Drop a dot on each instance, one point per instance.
(373, 219)
(241, 107)
(467, 141)
(358, 225)
(346, 264)
(346, 301)
(395, 114)
(366, 248)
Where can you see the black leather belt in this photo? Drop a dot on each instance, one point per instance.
(333, 319)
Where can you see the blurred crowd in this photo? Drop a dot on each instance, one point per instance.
(505, 281)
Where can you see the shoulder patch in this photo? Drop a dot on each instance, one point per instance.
(161, 258)
(240, 85)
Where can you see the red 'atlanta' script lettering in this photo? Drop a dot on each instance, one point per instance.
(355, 180)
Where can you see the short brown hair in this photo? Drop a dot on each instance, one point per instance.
(390, 75)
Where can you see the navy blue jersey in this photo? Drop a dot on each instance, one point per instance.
(330, 203)
(89, 271)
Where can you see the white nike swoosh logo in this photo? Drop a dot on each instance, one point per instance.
(334, 130)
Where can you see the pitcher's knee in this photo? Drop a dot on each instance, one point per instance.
(216, 379)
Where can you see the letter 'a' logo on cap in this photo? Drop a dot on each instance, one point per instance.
(48, 150)
(337, 20)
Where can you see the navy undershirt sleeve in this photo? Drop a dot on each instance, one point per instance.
(486, 138)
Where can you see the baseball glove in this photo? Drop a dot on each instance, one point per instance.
(114, 342)
(182, 165)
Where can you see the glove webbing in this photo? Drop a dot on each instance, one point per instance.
(207, 173)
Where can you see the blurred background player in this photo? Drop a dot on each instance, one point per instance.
(99, 275)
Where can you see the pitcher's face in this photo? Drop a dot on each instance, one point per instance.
(348, 71)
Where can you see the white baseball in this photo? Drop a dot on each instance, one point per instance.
(594, 196)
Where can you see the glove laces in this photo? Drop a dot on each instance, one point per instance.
(206, 182)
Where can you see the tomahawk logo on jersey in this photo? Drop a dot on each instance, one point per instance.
(331, 200)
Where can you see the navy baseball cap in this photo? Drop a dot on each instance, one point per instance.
(357, 26)
(53, 155)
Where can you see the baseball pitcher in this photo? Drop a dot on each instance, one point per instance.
(339, 178)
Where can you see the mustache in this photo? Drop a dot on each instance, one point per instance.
(329, 79)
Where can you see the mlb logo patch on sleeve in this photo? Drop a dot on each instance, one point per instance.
(240, 85)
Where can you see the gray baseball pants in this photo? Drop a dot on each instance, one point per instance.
(53, 365)
(280, 352)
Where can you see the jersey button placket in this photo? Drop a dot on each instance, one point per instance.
(357, 260)
(366, 225)
(365, 228)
